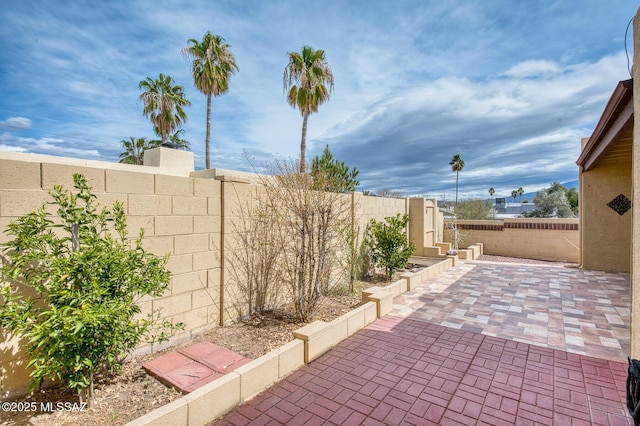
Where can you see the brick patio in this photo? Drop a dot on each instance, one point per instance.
(407, 369)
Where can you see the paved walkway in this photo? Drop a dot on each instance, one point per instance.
(426, 364)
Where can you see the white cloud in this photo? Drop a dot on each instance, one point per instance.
(533, 68)
(16, 123)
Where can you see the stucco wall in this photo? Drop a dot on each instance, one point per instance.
(545, 239)
(606, 239)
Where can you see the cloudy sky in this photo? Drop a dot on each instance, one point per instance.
(510, 86)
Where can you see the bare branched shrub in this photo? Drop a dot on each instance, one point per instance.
(310, 228)
(254, 255)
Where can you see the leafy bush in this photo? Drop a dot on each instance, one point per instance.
(89, 280)
(388, 243)
(473, 209)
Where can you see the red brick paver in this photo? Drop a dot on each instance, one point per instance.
(481, 344)
(406, 371)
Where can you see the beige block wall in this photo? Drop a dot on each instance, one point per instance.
(544, 244)
(181, 217)
(186, 218)
(606, 241)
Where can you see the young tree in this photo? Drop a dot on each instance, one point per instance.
(332, 175)
(457, 164)
(163, 103)
(213, 64)
(388, 243)
(91, 276)
(308, 81)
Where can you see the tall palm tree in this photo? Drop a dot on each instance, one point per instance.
(491, 192)
(457, 164)
(309, 82)
(133, 150)
(520, 193)
(514, 194)
(213, 64)
(163, 103)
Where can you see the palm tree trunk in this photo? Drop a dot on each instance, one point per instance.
(456, 205)
(207, 141)
(303, 143)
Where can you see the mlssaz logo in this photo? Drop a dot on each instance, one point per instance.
(63, 406)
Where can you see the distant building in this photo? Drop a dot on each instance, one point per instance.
(508, 210)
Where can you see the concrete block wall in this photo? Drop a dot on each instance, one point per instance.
(529, 238)
(181, 217)
(186, 215)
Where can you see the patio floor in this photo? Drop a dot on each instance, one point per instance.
(483, 343)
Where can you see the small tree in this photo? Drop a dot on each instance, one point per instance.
(90, 279)
(388, 242)
(332, 175)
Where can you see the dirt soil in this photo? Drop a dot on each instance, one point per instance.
(125, 397)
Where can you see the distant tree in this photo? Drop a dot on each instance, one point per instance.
(572, 196)
(163, 103)
(368, 193)
(520, 193)
(389, 193)
(332, 175)
(308, 81)
(176, 139)
(474, 209)
(213, 64)
(134, 150)
(491, 192)
(514, 195)
(551, 204)
(457, 164)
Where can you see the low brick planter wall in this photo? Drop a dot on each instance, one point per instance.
(215, 399)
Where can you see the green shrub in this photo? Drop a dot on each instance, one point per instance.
(89, 277)
(388, 243)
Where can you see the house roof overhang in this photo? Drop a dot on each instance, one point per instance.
(615, 120)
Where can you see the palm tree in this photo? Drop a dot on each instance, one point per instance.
(491, 192)
(134, 150)
(520, 193)
(163, 103)
(175, 139)
(514, 194)
(457, 164)
(213, 64)
(309, 82)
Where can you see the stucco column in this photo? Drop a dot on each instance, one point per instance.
(635, 240)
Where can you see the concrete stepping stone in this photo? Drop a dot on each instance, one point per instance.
(189, 368)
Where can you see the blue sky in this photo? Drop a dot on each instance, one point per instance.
(510, 86)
